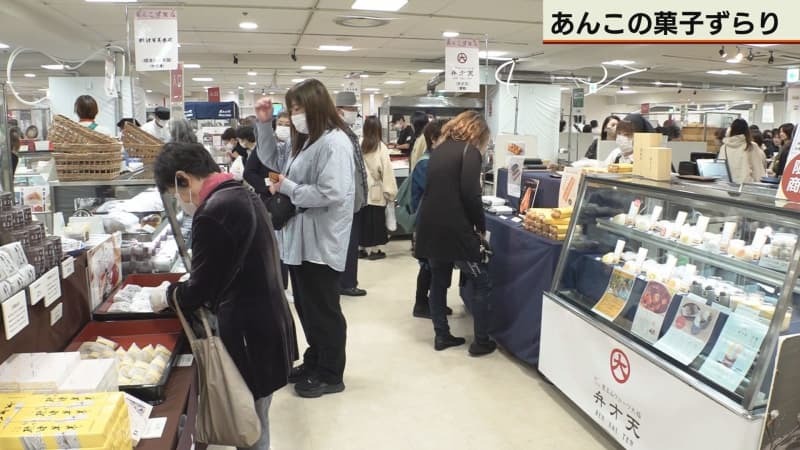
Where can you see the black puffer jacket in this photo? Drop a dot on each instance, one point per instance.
(254, 320)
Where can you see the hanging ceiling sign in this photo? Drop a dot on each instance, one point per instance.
(353, 84)
(462, 65)
(677, 22)
(156, 39)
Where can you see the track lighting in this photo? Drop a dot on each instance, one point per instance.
(722, 52)
(695, 92)
(750, 55)
(771, 58)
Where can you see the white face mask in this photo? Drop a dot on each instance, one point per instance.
(350, 117)
(625, 144)
(229, 147)
(161, 123)
(300, 123)
(283, 133)
(189, 207)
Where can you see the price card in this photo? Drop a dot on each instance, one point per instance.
(15, 315)
(38, 290)
(641, 256)
(728, 229)
(672, 261)
(702, 224)
(635, 206)
(67, 267)
(516, 220)
(619, 249)
(56, 314)
(760, 239)
(681, 219)
(155, 428)
(52, 285)
(656, 216)
(184, 360)
(503, 217)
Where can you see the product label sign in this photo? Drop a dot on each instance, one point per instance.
(56, 314)
(52, 287)
(156, 39)
(652, 311)
(735, 351)
(462, 64)
(690, 331)
(15, 315)
(619, 289)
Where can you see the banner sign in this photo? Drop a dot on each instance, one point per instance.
(677, 22)
(211, 111)
(156, 39)
(790, 181)
(462, 65)
(213, 95)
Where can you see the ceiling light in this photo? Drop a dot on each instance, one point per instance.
(431, 71)
(30, 75)
(763, 45)
(111, 1)
(379, 5)
(618, 62)
(191, 66)
(395, 82)
(314, 68)
(252, 91)
(628, 92)
(252, 74)
(372, 90)
(724, 72)
(771, 58)
(149, 91)
(733, 61)
(492, 54)
(248, 25)
(231, 93)
(450, 34)
(202, 79)
(252, 83)
(739, 54)
(364, 76)
(335, 48)
(42, 90)
(298, 80)
(335, 92)
(53, 66)
(240, 87)
(2, 45)
(271, 92)
(722, 52)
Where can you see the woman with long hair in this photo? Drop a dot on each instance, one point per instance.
(382, 190)
(608, 132)
(785, 136)
(746, 161)
(319, 181)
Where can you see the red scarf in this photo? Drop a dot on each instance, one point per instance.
(211, 183)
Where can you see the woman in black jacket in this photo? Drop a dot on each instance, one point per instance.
(254, 320)
(450, 226)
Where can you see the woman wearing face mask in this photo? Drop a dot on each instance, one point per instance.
(319, 181)
(633, 123)
(159, 127)
(419, 121)
(608, 133)
(231, 144)
(257, 169)
(450, 226)
(254, 320)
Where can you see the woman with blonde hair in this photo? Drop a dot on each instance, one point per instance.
(451, 226)
(382, 190)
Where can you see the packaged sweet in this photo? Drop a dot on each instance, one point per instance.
(17, 253)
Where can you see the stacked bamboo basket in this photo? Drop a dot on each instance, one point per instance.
(82, 154)
(140, 144)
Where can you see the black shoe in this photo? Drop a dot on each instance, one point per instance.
(298, 374)
(449, 310)
(445, 342)
(376, 256)
(482, 348)
(422, 310)
(353, 292)
(362, 254)
(313, 387)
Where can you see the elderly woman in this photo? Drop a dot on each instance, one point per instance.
(181, 131)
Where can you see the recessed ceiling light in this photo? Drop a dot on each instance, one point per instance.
(30, 75)
(202, 79)
(298, 80)
(493, 54)
(335, 92)
(2, 45)
(372, 90)
(619, 62)
(179, 45)
(149, 91)
(724, 72)
(252, 74)
(763, 45)
(53, 66)
(191, 66)
(231, 93)
(248, 25)
(271, 92)
(431, 71)
(395, 82)
(313, 68)
(252, 83)
(335, 48)
(42, 90)
(379, 5)
(733, 60)
(364, 76)
(206, 87)
(252, 91)
(450, 34)
(240, 87)
(628, 92)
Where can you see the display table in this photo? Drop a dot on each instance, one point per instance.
(522, 270)
(546, 197)
(181, 399)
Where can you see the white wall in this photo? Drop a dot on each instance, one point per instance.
(539, 114)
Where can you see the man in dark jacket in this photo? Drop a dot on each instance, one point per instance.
(237, 278)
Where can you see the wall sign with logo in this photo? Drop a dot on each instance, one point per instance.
(790, 181)
(462, 65)
(156, 39)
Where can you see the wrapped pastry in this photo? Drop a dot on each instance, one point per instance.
(562, 213)
(107, 342)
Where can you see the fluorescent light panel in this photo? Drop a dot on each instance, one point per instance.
(396, 82)
(111, 1)
(379, 5)
(53, 66)
(202, 79)
(335, 48)
(2, 45)
(252, 74)
(431, 71)
(450, 34)
(298, 80)
(619, 62)
(30, 75)
(191, 66)
(252, 83)
(313, 67)
(248, 25)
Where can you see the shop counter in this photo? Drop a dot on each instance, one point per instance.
(180, 409)
(522, 270)
(546, 197)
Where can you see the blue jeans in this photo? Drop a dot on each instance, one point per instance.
(262, 409)
(442, 274)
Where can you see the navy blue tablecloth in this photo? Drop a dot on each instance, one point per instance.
(546, 197)
(522, 270)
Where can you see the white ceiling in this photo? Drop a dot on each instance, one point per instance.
(412, 40)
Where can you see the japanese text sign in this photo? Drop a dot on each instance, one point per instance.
(156, 39)
(681, 21)
(790, 181)
(462, 64)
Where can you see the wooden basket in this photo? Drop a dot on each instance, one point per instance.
(113, 148)
(66, 131)
(140, 144)
(87, 166)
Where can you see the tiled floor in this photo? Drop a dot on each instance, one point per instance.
(401, 394)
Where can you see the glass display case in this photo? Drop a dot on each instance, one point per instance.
(698, 282)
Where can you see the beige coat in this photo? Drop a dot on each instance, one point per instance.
(380, 177)
(747, 162)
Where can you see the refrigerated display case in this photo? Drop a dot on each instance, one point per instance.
(667, 306)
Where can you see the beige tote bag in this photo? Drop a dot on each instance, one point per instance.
(226, 414)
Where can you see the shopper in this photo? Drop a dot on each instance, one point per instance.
(405, 134)
(124, 120)
(230, 142)
(319, 181)
(419, 178)
(159, 127)
(450, 224)
(15, 144)
(247, 140)
(624, 151)
(382, 189)
(769, 144)
(419, 121)
(86, 109)
(608, 133)
(254, 320)
(785, 134)
(745, 159)
(181, 131)
(256, 171)
(347, 107)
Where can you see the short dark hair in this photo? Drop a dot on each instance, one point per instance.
(433, 131)
(86, 107)
(593, 123)
(397, 118)
(193, 159)
(246, 134)
(14, 136)
(229, 134)
(162, 112)
(587, 128)
(284, 114)
(130, 120)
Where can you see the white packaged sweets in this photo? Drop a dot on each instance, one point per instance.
(5, 291)
(7, 266)
(16, 252)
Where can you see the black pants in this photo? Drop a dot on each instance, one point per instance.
(350, 275)
(442, 274)
(423, 281)
(316, 297)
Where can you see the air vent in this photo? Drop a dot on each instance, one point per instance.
(361, 21)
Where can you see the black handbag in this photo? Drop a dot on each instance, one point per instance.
(280, 209)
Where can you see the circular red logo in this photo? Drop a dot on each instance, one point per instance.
(790, 181)
(620, 366)
(462, 58)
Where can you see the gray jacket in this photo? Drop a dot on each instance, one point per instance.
(321, 185)
(360, 173)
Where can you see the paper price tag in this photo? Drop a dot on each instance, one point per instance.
(619, 248)
(67, 267)
(702, 224)
(681, 219)
(155, 428)
(516, 220)
(15, 315)
(52, 285)
(672, 261)
(656, 216)
(635, 206)
(760, 239)
(503, 217)
(56, 314)
(641, 256)
(728, 229)
(38, 290)
(184, 360)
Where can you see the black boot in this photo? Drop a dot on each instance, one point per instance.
(447, 341)
(482, 347)
(422, 309)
